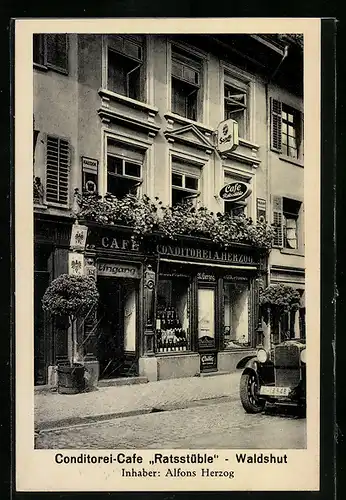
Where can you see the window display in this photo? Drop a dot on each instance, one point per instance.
(236, 315)
(172, 315)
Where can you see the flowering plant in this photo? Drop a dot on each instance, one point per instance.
(280, 296)
(146, 216)
(276, 300)
(72, 296)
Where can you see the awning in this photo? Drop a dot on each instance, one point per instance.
(207, 264)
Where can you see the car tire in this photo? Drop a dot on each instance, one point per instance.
(248, 393)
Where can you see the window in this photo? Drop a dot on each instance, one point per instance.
(51, 50)
(124, 169)
(236, 315)
(125, 68)
(184, 188)
(186, 84)
(57, 170)
(286, 222)
(235, 208)
(172, 314)
(286, 130)
(235, 105)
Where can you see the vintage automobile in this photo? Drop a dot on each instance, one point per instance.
(274, 377)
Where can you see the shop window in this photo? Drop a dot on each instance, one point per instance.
(173, 315)
(57, 170)
(51, 51)
(124, 170)
(286, 130)
(186, 84)
(236, 315)
(125, 66)
(236, 105)
(286, 214)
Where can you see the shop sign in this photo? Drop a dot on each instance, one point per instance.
(206, 277)
(117, 270)
(75, 264)
(208, 361)
(78, 237)
(227, 136)
(206, 341)
(89, 164)
(205, 254)
(235, 191)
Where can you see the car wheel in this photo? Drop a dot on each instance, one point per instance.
(249, 393)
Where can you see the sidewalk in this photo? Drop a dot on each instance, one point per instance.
(56, 410)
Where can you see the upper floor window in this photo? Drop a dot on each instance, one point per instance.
(51, 51)
(286, 130)
(125, 66)
(124, 169)
(57, 170)
(286, 221)
(185, 183)
(236, 104)
(186, 84)
(235, 208)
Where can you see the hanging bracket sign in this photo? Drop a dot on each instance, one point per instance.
(235, 191)
(227, 136)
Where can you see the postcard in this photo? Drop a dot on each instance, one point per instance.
(167, 236)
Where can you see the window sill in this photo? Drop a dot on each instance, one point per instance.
(113, 96)
(173, 117)
(40, 67)
(291, 251)
(43, 67)
(248, 144)
(175, 353)
(294, 161)
(237, 349)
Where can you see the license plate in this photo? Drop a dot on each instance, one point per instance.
(274, 391)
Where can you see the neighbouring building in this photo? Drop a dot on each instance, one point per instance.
(140, 114)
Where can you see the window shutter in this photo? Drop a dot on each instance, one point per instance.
(277, 222)
(275, 124)
(57, 170)
(57, 51)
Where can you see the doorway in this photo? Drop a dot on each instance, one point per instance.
(117, 316)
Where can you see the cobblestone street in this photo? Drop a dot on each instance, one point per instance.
(218, 425)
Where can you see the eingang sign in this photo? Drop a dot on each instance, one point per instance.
(235, 191)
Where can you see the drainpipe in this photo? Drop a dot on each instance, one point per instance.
(267, 328)
(268, 180)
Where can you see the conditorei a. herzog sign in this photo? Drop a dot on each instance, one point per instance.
(205, 254)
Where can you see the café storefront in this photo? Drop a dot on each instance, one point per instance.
(169, 309)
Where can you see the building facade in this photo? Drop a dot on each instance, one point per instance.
(139, 114)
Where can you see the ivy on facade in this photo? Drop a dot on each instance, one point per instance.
(146, 216)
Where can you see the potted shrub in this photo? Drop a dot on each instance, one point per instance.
(276, 300)
(72, 297)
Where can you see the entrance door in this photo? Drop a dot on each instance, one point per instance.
(41, 280)
(207, 328)
(117, 327)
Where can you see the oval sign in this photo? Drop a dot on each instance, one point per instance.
(235, 191)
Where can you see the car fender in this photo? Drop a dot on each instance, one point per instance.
(248, 362)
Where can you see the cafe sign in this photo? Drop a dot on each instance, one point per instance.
(235, 191)
(227, 136)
